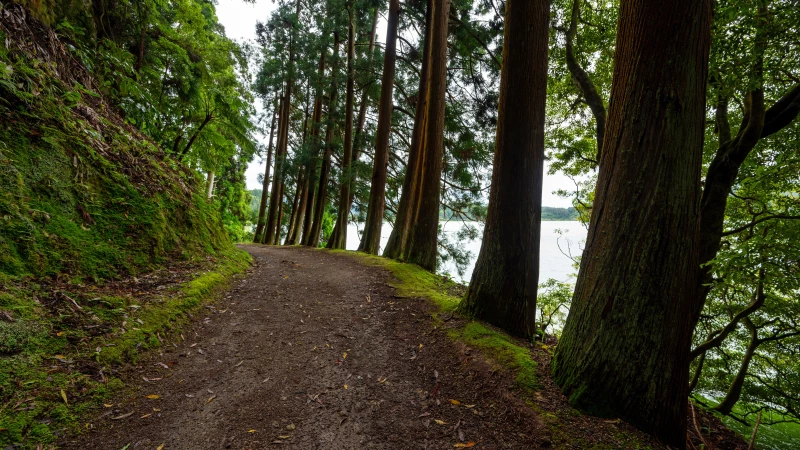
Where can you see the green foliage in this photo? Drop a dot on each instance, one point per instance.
(552, 303)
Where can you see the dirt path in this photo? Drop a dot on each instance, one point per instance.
(313, 350)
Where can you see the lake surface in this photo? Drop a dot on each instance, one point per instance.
(558, 240)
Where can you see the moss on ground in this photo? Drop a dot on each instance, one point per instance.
(52, 371)
(413, 281)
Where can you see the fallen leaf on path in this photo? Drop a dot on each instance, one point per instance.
(64, 396)
(160, 447)
(162, 365)
(440, 422)
(251, 431)
(284, 437)
(211, 398)
(455, 402)
(345, 386)
(467, 445)
(344, 356)
(240, 363)
(469, 406)
(124, 416)
(146, 416)
(153, 396)
(108, 405)
(156, 410)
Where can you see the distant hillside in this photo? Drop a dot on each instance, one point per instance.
(550, 213)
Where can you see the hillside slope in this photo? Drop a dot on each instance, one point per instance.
(81, 192)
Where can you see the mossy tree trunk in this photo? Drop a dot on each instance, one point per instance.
(415, 233)
(324, 173)
(624, 351)
(371, 239)
(503, 287)
(301, 192)
(311, 165)
(338, 239)
(262, 207)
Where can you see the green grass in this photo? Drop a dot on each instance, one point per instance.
(45, 354)
(412, 281)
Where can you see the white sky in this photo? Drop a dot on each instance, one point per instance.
(239, 19)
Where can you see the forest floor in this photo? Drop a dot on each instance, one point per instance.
(314, 349)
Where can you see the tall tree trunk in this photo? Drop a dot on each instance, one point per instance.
(274, 197)
(299, 208)
(338, 239)
(311, 166)
(506, 276)
(396, 244)
(371, 239)
(624, 351)
(735, 390)
(273, 218)
(358, 140)
(422, 246)
(262, 207)
(322, 186)
(416, 228)
(293, 214)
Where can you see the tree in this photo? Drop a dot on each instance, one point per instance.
(503, 287)
(371, 239)
(624, 349)
(311, 165)
(338, 239)
(322, 186)
(262, 208)
(414, 236)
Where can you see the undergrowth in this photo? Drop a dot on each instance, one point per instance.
(59, 359)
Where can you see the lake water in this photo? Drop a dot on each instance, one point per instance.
(558, 240)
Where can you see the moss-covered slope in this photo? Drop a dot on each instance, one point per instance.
(82, 193)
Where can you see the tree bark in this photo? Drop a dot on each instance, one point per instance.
(322, 186)
(209, 116)
(338, 239)
(371, 239)
(277, 239)
(262, 207)
(416, 231)
(311, 166)
(396, 244)
(624, 351)
(504, 284)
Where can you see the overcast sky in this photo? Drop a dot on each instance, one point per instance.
(239, 19)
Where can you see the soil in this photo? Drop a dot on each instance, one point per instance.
(312, 350)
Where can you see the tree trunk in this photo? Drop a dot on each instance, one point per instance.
(624, 351)
(358, 143)
(262, 207)
(277, 239)
(371, 240)
(338, 239)
(189, 144)
(311, 166)
(210, 185)
(295, 211)
(274, 197)
(396, 244)
(322, 187)
(506, 276)
(735, 389)
(299, 209)
(417, 231)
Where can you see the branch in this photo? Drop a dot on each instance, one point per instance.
(758, 221)
(480, 41)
